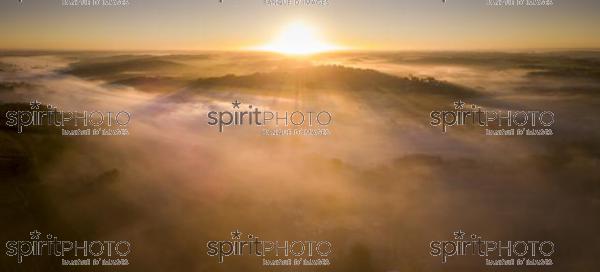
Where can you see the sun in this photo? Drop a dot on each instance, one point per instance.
(298, 39)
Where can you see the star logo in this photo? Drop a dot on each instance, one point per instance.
(236, 104)
(236, 235)
(459, 235)
(35, 105)
(35, 235)
(459, 105)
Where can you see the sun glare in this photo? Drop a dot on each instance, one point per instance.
(298, 39)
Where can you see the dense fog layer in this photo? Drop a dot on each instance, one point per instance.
(381, 187)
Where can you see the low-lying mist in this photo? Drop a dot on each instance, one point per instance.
(381, 187)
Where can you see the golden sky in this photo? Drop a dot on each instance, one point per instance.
(348, 24)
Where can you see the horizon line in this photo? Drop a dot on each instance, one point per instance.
(487, 50)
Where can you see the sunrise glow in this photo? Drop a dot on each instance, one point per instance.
(298, 39)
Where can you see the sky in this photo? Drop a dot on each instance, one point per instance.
(349, 24)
